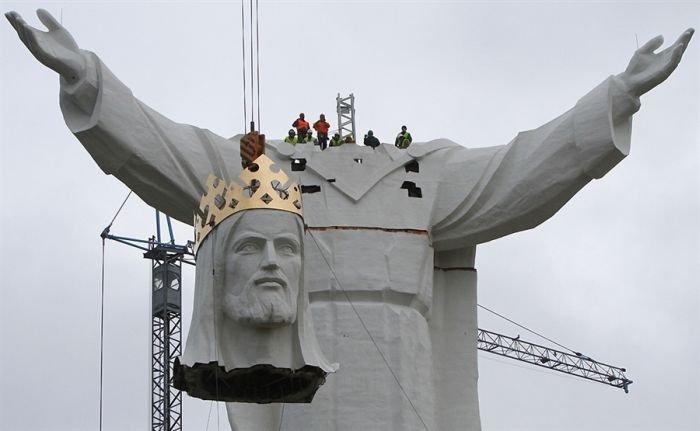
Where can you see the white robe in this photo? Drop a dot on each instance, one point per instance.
(390, 276)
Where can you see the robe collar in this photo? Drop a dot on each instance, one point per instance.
(340, 167)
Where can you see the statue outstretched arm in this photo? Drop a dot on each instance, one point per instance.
(164, 162)
(487, 193)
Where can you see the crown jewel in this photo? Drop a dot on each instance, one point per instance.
(263, 185)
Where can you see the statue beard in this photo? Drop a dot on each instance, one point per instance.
(261, 308)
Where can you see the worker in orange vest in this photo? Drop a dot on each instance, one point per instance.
(301, 125)
(321, 126)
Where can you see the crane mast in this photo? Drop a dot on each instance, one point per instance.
(166, 324)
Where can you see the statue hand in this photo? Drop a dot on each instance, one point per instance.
(647, 69)
(55, 49)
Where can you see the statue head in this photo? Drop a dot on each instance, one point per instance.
(250, 306)
(262, 268)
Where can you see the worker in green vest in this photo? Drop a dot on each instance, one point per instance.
(291, 138)
(336, 141)
(403, 139)
(309, 138)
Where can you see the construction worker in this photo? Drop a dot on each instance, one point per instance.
(301, 125)
(335, 141)
(309, 138)
(349, 140)
(403, 139)
(291, 137)
(371, 140)
(321, 126)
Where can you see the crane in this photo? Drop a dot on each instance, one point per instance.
(166, 324)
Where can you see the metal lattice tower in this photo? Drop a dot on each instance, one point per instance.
(166, 326)
(166, 275)
(345, 106)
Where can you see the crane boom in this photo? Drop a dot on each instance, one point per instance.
(575, 364)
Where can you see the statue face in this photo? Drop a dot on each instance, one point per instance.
(263, 268)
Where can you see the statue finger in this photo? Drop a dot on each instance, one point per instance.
(12, 18)
(684, 38)
(679, 46)
(653, 44)
(48, 20)
(682, 41)
(16, 20)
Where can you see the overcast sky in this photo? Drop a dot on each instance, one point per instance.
(614, 274)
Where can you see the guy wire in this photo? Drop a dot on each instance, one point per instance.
(102, 326)
(214, 314)
(257, 57)
(102, 303)
(281, 416)
(527, 329)
(120, 209)
(245, 103)
(252, 91)
(209, 415)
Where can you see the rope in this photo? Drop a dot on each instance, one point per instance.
(281, 415)
(216, 336)
(257, 57)
(252, 92)
(102, 304)
(245, 103)
(253, 60)
(528, 329)
(209, 415)
(102, 326)
(368, 333)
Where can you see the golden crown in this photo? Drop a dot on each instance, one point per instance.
(264, 185)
